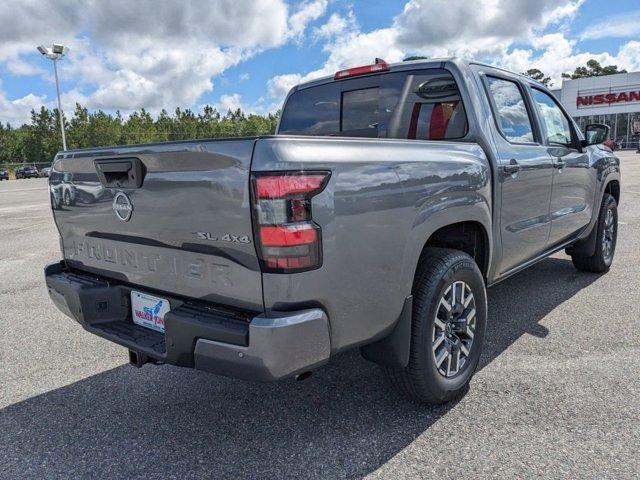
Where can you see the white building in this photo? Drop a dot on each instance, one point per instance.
(611, 99)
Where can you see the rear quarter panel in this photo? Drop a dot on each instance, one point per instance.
(383, 201)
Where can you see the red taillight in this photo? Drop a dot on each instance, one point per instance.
(281, 186)
(363, 70)
(287, 235)
(287, 238)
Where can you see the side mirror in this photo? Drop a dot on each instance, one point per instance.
(595, 134)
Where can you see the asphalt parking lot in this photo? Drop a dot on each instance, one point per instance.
(557, 395)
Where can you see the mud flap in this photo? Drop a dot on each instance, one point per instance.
(393, 350)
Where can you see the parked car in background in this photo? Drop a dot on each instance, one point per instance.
(390, 198)
(63, 190)
(4, 175)
(27, 172)
(45, 172)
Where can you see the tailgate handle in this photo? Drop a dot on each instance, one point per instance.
(120, 172)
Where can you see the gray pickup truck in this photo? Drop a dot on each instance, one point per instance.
(390, 198)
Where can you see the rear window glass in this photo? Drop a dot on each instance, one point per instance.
(360, 112)
(420, 104)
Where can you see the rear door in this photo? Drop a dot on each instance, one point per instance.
(172, 217)
(526, 172)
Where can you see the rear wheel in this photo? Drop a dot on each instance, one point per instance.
(448, 323)
(606, 238)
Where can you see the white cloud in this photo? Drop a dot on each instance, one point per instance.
(279, 86)
(614, 26)
(308, 12)
(229, 102)
(441, 28)
(362, 48)
(554, 54)
(18, 111)
(445, 27)
(348, 50)
(629, 56)
(127, 55)
(237, 23)
(434, 28)
(336, 25)
(20, 67)
(173, 56)
(27, 23)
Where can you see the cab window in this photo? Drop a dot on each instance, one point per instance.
(510, 110)
(557, 129)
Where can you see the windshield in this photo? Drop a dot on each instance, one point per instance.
(419, 104)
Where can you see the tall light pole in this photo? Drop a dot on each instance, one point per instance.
(55, 53)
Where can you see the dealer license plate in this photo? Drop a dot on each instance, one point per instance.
(149, 311)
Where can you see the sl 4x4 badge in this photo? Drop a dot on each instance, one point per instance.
(224, 238)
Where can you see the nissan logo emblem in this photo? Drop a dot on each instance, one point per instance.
(122, 206)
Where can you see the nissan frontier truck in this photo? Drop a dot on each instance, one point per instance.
(376, 217)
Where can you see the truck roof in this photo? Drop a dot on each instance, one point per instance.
(421, 63)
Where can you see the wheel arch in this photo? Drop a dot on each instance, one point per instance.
(613, 188)
(468, 236)
(442, 227)
(586, 245)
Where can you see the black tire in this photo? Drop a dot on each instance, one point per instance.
(421, 381)
(67, 198)
(602, 258)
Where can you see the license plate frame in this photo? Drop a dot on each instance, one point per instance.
(148, 311)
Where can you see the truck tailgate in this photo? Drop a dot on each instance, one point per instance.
(186, 229)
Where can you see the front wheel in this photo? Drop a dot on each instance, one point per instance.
(448, 324)
(606, 239)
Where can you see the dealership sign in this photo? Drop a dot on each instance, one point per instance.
(602, 99)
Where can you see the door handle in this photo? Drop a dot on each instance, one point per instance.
(120, 172)
(512, 168)
(560, 164)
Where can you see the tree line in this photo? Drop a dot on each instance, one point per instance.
(591, 69)
(39, 140)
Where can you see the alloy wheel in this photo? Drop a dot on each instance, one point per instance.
(608, 235)
(454, 329)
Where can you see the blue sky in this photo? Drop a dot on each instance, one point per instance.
(243, 53)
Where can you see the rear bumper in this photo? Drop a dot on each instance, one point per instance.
(251, 346)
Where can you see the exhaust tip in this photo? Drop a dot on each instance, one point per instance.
(303, 376)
